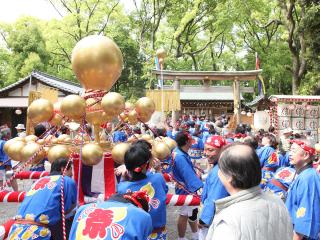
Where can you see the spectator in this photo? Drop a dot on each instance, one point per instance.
(186, 176)
(247, 213)
(304, 194)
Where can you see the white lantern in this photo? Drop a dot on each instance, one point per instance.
(261, 120)
(18, 112)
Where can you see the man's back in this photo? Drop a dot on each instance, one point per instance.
(251, 215)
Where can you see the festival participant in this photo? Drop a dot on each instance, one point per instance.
(122, 216)
(184, 173)
(213, 188)
(280, 182)
(39, 215)
(5, 162)
(268, 157)
(120, 135)
(248, 213)
(284, 145)
(304, 193)
(137, 160)
(196, 149)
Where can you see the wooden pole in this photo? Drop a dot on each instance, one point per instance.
(236, 97)
(176, 86)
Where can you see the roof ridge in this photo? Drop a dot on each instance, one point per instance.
(55, 78)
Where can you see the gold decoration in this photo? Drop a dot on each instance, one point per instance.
(14, 150)
(11, 141)
(146, 137)
(97, 62)
(119, 151)
(113, 103)
(29, 150)
(62, 137)
(161, 53)
(31, 138)
(92, 154)
(58, 151)
(161, 151)
(145, 106)
(133, 138)
(144, 117)
(133, 117)
(73, 106)
(40, 110)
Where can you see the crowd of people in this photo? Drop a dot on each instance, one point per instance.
(252, 185)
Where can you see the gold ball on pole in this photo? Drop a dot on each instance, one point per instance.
(97, 62)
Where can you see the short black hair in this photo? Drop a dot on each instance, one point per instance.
(143, 143)
(272, 138)
(58, 164)
(39, 130)
(240, 129)
(136, 156)
(182, 138)
(251, 141)
(241, 163)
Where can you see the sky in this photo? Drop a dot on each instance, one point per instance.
(10, 10)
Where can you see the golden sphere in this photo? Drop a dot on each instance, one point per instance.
(14, 150)
(62, 137)
(146, 137)
(113, 103)
(78, 138)
(161, 53)
(161, 151)
(57, 115)
(92, 154)
(144, 117)
(73, 106)
(134, 138)
(49, 138)
(145, 107)
(93, 111)
(67, 140)
(129, 106)
(58, 151)
(41, 141)
(31, 138)
(106, 117)
(30, 150)
(118, 152)
(133, 117)
(97, 62)
(40, 110)
(9, 142)
(170, 142)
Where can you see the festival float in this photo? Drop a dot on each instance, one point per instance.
(97, 63)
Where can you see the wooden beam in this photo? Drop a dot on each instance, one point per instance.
(208, 75)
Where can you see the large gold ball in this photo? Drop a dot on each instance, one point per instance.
(118, 152)
(97, 62)
(161, 151)
(170, 142)
(161, 53)
(40, 110)
(144, 117)
(133, 117)
(14, 150)
(58, 151)
(93, 112)
(29, 150)
(113, 103)
(73, 106)
(9, 142)
(31, 138)
(92, 154)
(146, 137)
(145, 106)
(317, 147)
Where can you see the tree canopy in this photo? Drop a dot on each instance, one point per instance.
(204, 35)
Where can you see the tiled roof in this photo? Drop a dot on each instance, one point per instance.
(52, 81)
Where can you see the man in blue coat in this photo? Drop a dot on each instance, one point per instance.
(304, 193)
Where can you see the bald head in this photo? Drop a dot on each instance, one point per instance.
(240, 162)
